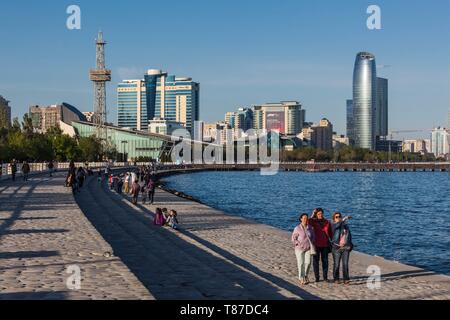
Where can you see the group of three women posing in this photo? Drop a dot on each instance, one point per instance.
(315, 238)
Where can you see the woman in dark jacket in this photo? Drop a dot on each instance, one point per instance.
(342, 246)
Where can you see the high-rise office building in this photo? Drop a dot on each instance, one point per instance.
(244, 119)
(286, 117)
(364, 101)
(230, 119)
(173, 98)
(448, 124)
(161, 96)
(132, 109)
(382, 108)
(440, 142)
(5, 113)
(241, 119)
(350, 120)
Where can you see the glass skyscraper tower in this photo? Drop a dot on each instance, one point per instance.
(161, 96)
(364, 101)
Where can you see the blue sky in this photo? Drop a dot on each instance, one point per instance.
(242, 53)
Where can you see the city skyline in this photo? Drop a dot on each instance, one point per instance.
(418, 98)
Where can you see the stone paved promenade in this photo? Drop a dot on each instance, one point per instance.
(215, 256)
(218, 256)
(42, 233)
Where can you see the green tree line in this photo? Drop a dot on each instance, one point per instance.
(23, 143)
(351, 154)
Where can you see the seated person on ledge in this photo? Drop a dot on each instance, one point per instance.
(173, 221)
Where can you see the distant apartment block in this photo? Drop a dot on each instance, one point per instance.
(44, 118)
(241, 119)
(322, 135)
(217, 132)
(440, 142)
(5, 113)
(286, 117)
(165, 127)
(415, 146)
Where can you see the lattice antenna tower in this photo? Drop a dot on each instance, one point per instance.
(99, 76)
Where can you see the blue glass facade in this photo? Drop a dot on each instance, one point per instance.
(350, 120)
(364, 101)
(162, 96)
(132, 111)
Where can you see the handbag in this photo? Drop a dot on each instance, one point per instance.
(312, 247)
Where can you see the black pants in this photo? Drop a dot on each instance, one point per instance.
(151, 196)
(322, 254)
(338, 256)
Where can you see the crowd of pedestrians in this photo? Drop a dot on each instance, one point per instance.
(23, 167)
(315, 238)
(141, 184)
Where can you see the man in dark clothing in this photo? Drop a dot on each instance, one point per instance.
(25, 170)
(135, 189)
(151, 191)
(50, 167)
(13, 166)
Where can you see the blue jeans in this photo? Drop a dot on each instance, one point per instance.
(338, 256)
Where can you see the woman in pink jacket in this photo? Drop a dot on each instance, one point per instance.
(303, 241)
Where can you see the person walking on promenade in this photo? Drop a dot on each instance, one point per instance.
(120, 185)
(72, 166)
(133, 177)
(342, 246)
(50, 167)
(25, 170)
(13, 166)
(151, 191)
(159, 218)
(135, 189)
(111, 182)
(323, 235)
(303, 241)
(81, 177)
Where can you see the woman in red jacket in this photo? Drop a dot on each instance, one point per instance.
(323, 236)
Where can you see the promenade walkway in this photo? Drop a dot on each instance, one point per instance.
(219, 256)
(42, 233)
(215, 256)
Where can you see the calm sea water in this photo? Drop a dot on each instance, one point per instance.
(400, 216)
